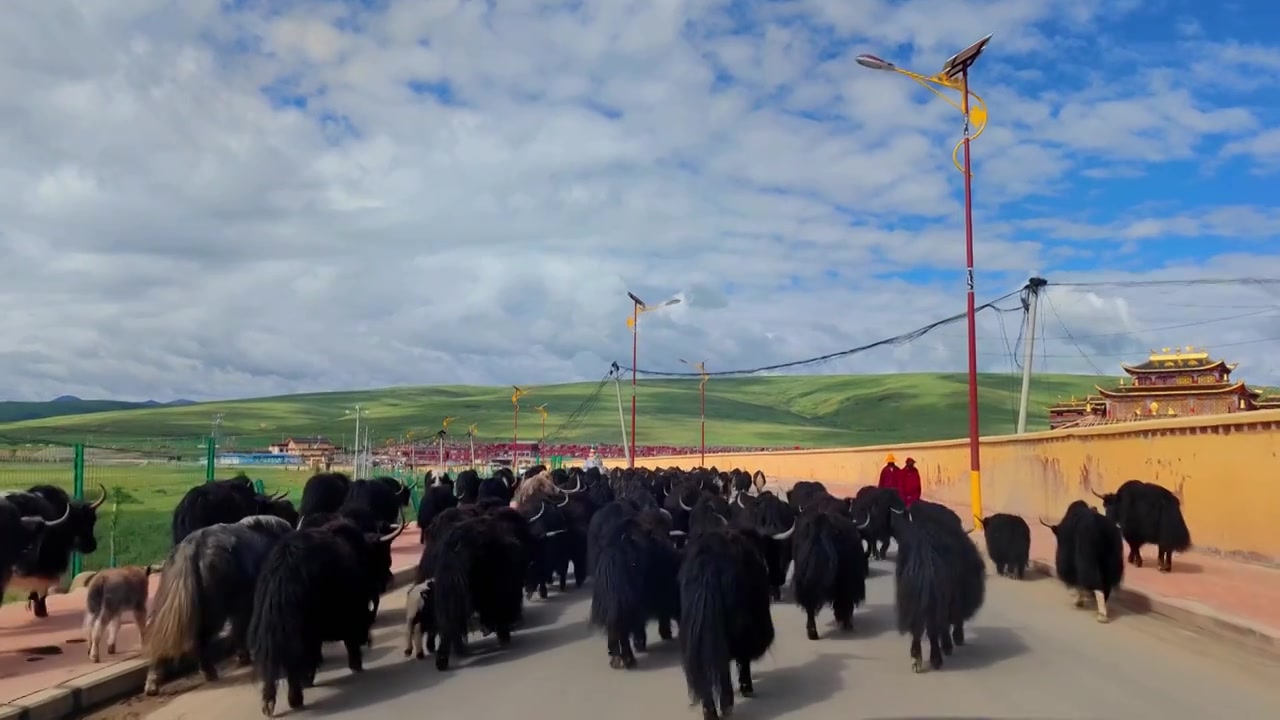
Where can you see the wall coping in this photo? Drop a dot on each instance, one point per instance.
(1126, 429)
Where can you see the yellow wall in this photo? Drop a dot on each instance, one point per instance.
(1226, 470)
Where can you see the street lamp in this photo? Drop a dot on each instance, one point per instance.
(355, 470)
(637, 309)
(955, 76)
(542, 410)
(702, 402)
(471, 438)
(444, 430)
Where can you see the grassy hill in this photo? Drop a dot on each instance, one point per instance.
(808, 411)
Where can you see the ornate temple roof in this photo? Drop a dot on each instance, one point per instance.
(1178, 359)
(1201, 389)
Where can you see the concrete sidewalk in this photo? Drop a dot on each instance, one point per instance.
(45, 671)
(1234, 599)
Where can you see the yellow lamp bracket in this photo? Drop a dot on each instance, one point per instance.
(977, 110)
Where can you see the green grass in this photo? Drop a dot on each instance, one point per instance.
(812, 411)
(129, 449)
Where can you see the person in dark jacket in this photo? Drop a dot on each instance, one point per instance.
(889, 473)
(909, 483)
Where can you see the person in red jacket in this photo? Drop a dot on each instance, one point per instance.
(889, 473)
(909, 483)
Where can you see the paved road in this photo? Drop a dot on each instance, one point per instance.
(1030, 655)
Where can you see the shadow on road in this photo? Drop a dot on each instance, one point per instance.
(986, 646)
(790, 689)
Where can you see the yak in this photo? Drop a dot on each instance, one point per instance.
(39, 568)
(775, 520)
(316, 586)
(1089, 555)
(384, 497)
(550, 532)
(800, 493)
(467, 487)
(1148, 514)
(111, 593)
(226, 501)
(635, 566)
(435, 500)
(939, 580)
(1008, 543)
(206, 581)
(724, 615)
(872, 508)
(479, 571)
(323, 493)
(830, 568)
(18, 532)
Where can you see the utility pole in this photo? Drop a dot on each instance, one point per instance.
(622, 419)
(213, 427)
(1031, 302)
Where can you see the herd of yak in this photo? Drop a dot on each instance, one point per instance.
(703, 550)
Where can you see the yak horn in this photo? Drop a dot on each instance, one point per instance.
(542, 507)
(863, 525)
(562, 503)
(1042, 522)
(1095, 494)
(577, 487)
(300, 519)
(676, 532)
(738, 501)
(280, 495)
(666, 512)
(722, 518)
(102, 497)
(66, 513)
(899, 512)
(395, 533)
(787, 534)
(684, 507)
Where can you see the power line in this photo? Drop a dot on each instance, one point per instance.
(1083, 354)
(1184, 283)
(902, 339)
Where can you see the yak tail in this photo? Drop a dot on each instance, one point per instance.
(704, 641)
(175, 618)
(276, 632)
(452, 594)
(817, 561)
(1173, 533)
(618, 589)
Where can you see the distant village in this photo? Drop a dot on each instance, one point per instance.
(1173, 382)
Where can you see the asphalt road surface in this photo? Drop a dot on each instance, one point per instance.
(1029, 655)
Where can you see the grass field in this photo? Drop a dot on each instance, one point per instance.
(826, 411)
(814, 411)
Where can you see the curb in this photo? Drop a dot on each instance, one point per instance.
(111, 682)
(1143, 603)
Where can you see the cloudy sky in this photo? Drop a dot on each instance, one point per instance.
(221, 198)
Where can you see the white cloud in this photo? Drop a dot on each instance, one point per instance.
(170, 230)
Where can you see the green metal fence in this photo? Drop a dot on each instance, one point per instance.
(145, 479)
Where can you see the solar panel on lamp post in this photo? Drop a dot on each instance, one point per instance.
(638, 307)
(955, 76)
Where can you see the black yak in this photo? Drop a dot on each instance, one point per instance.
(939, 580)
(800, 493)
(830, 568)
(17, 533)
(776, 521)
(323, 493)
(549, 529)
(872, 509)
(206, 581)
(70, 528)
(315, 587)
(435, 500)
(1148, 514)
(480, 571)
(1089, 556)
(1008, 543)
(467, 486)
(226, 501)
(382, 496)
(635, 578)
(724, 615)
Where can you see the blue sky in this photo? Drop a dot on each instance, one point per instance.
(197, 191)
